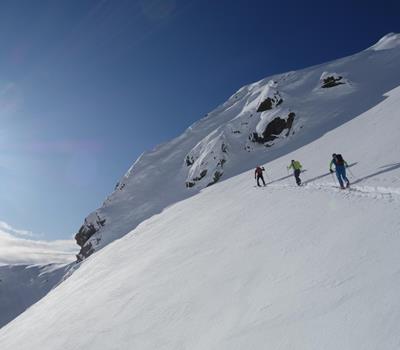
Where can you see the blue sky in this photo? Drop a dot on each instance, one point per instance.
(86, 86)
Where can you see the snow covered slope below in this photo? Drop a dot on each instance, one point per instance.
(29, 269)
(259, 123)
(23, 285)
(241, 267)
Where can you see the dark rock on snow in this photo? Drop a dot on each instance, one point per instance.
(275, 128)
(332, 81)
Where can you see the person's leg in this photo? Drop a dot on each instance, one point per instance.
(262, 178)
(258, 180)
(339, 176)
(297, 176)
(344, 176)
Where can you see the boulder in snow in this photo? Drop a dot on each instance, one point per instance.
(329, 80)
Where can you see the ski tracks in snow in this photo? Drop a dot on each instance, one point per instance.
(374, 192)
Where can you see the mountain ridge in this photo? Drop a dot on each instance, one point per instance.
(215, 147)
(238, 267)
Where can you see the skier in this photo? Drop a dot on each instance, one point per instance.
(340, 168)
(258, 174)
(295, 164)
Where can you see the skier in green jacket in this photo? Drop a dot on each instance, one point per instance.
(296, 166)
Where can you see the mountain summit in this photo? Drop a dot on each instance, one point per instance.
(389, 41)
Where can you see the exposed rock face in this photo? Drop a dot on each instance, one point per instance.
(331, 82)
(275, 128)
(270, 102)
(85, 251)
(189, 160)
(119, 186)
(206, 160)
(197, 178)
(86, 231)
(216, 177)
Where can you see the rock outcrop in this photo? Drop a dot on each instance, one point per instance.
(275, 128)
(329, 80)
(86, 231)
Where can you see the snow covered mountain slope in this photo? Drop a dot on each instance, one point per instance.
(23, 285)
(240, 267)
(259, 123)
(29, 269)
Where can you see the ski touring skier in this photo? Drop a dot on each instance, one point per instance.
(296, 166)
(340, 169)
(258, 174)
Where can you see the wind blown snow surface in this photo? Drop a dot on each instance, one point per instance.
(259, 123)
(240, 267)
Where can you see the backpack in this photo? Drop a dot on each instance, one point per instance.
(339, 159)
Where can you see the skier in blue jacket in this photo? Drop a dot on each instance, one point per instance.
(340, 168)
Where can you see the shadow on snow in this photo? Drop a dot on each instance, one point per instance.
(388, 168)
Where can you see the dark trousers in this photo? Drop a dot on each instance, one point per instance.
(297, 176)
(341, 175)
(258, 180)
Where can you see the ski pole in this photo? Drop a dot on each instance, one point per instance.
(351, 173)
(333, 178)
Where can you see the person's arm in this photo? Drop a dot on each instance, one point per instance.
(290, 166)
(330, 165)
(345, 163)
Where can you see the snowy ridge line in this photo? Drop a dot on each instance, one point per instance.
(258, 124)
(379, 192)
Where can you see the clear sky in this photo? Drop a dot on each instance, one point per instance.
(88, 85)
